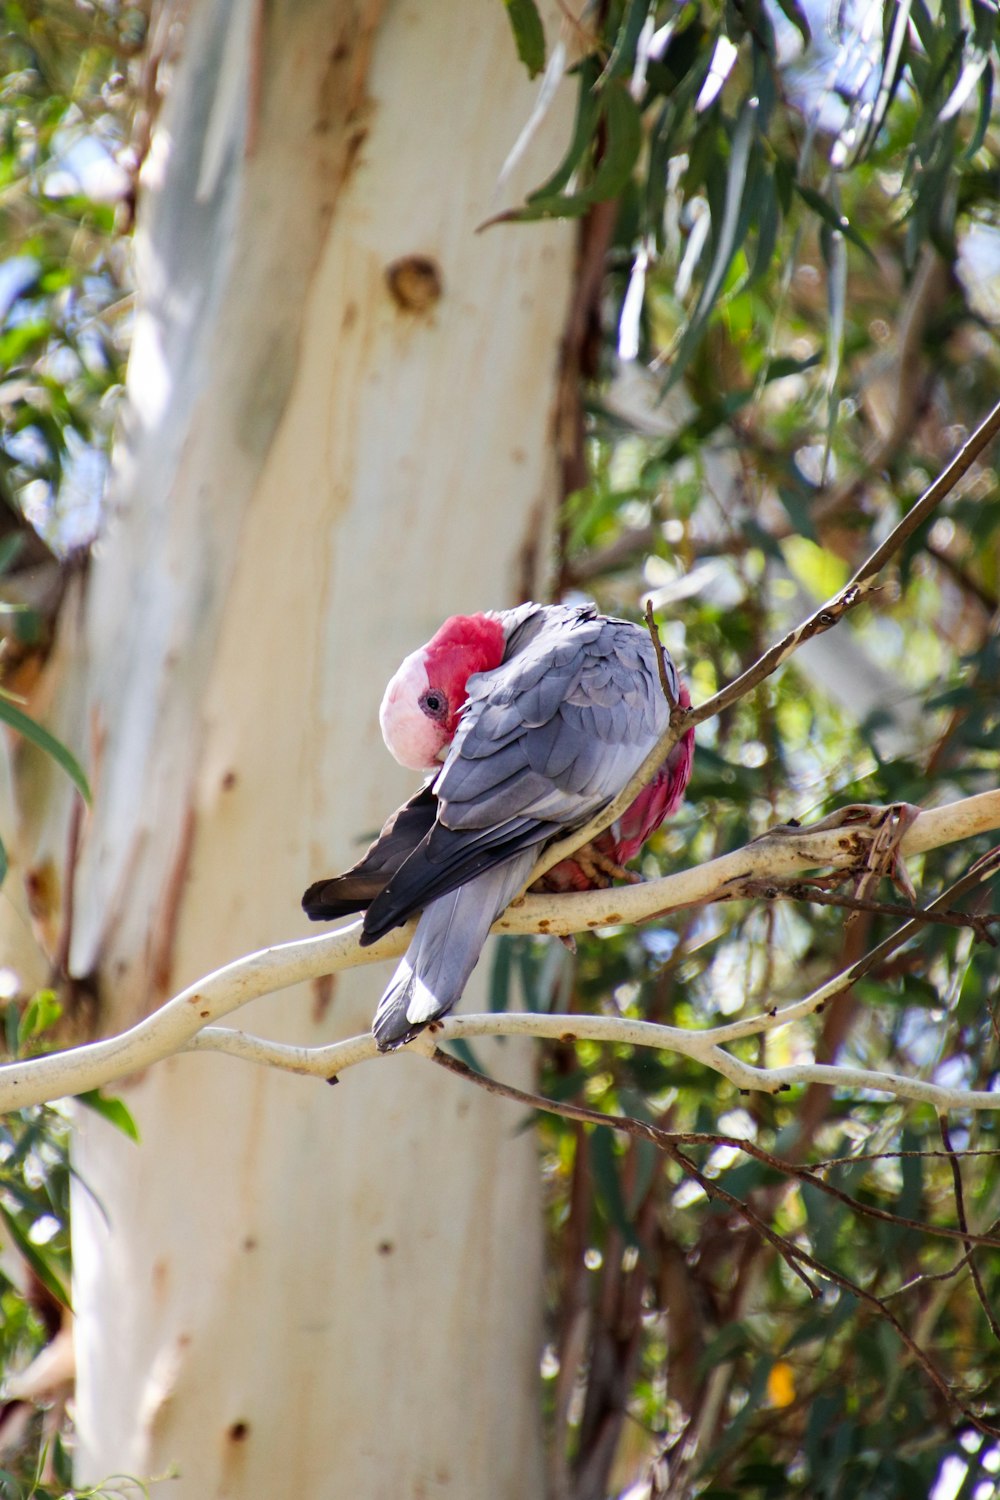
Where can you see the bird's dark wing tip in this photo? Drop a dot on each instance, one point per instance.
(339, 896)
(316, 907)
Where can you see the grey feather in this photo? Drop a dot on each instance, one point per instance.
(584, 743)
(444, 951)
(545, 740)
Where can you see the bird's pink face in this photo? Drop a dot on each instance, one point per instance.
(421, 706)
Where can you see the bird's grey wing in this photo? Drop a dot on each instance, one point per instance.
(547, 738)
(557, 731)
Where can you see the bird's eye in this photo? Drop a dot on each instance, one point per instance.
(434, 704)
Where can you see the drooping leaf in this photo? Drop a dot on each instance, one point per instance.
(622, 58)
(838, 222)
(112, 1109)
(617, 112)
(584, 128)
(793, 11)
(529, 33)
(18, 720)
(604, 1165)
(725, 240)
(39, 1263)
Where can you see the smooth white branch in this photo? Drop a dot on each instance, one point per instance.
(778, 855)
(702, 1046)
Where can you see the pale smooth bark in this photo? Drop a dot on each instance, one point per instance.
(286, 1290)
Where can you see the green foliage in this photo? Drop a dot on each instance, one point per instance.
(799, 325)
(63, 72)
(55, 1462)
(34, 1271)
(17, 719)
(795, 325)
(718, 125)
(529, 34)
(35, 1173)
(64, 94)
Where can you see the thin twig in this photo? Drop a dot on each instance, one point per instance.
(922, 1155)
(820, 621)
(661, 666)
(953, 1271)
(816, 896)
(980, 871)
(671, 1140)
(642, 1129)
(956, 1173)
(789, 1251)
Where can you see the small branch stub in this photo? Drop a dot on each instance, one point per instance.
(414, 283)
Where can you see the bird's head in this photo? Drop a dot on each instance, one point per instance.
(421, 706)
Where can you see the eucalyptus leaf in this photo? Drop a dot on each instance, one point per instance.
(529, 33)
(112, 1109)
(39, 1263)
(18, 720)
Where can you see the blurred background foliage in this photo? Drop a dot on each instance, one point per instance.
(66, 170)
(784, 322)
(73, 78)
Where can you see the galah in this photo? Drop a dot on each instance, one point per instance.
(531, 720)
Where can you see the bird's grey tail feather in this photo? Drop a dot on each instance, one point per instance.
(444, 952)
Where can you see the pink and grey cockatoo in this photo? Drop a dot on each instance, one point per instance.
(540, 715)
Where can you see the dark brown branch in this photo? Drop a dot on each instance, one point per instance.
(661, 668)
(977, 1280)
(816, 896)
(789, 1252)
(671, 1140)
(820, 621)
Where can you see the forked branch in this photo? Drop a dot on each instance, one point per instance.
(823, 619)
(841, 841)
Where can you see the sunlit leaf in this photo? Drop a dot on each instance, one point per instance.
(529, 33)
(18, 720)
(604, 1165)
(39, 1263)
(112, 1109)
(41, 1012)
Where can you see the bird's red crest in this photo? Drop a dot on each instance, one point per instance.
(464, 644)
(422, 704)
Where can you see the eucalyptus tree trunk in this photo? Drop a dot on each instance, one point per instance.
(339, 431)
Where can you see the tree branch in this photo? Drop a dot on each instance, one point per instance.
(977, 1280)
(792, 1253)
(840, 841)
(822, 620)
(703, 1046)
